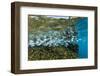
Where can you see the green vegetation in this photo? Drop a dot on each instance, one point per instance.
(45, 23)
(51, 53)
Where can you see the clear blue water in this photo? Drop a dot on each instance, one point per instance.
(82, 27)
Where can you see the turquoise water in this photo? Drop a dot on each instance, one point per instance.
(82, 27)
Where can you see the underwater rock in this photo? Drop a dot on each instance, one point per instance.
(73, 47)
